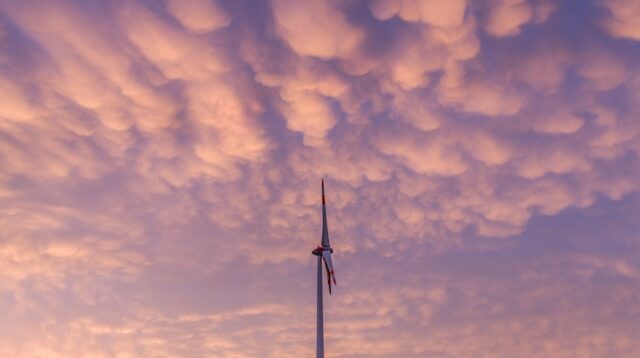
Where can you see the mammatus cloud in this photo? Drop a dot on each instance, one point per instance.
(199, 16)
(329, 34)
(622, 18)
(160, 165)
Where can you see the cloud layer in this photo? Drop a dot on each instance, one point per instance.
(160, 164)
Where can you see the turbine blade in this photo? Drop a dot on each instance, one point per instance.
(325, 228)
(328, 264)
(329, 281)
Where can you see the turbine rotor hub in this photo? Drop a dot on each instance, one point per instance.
(318, 250)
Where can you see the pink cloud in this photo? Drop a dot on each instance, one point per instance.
(199, 16)
(160, 166)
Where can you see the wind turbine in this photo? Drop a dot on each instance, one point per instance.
(323, 252)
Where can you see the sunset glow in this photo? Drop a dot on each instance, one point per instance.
(161, 161)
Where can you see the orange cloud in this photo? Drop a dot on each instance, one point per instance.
(160, 164)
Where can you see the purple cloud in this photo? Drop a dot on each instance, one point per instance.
(160, 166)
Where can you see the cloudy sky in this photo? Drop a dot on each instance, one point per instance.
(160, 166)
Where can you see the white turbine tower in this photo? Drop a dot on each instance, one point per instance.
(323, 252)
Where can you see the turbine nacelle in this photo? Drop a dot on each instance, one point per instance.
(318, 250)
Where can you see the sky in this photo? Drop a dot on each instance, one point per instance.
(160, 168)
